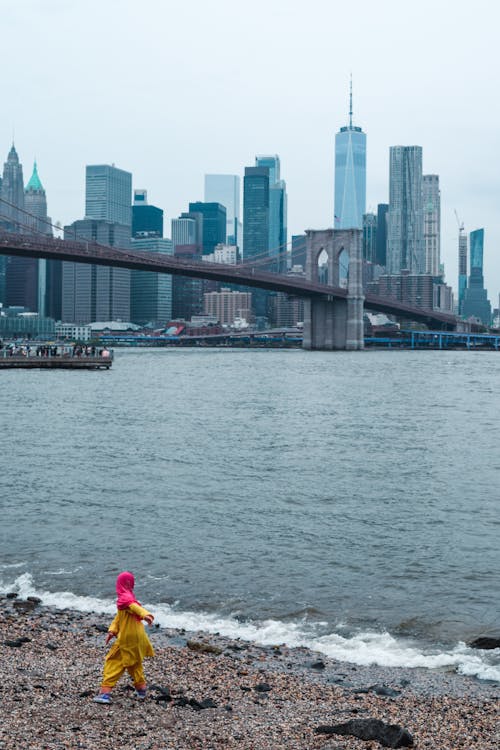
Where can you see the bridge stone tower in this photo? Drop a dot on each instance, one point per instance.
(335, 323)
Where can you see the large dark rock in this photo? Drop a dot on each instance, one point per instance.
(318, 664)
(262, 687)
(24, 606)
(203, 648)
(384, 690)
(18, 642)
(389, 735)
(164, 694)
(200, 705)
(485, 642)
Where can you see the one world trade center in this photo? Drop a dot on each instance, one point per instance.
(350, 175)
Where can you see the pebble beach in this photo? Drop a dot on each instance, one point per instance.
(208, 692)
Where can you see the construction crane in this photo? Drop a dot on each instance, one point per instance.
(460, 223)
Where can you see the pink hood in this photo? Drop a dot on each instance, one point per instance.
(125, 590)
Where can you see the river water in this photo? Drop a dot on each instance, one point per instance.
(344, 501)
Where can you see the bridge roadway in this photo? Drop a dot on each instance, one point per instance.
(36, 246)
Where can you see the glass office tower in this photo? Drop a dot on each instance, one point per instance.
(277, 212)
(225, 189)
(475, 301)
(350, 176)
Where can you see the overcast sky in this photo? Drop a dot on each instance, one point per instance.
(172, 90)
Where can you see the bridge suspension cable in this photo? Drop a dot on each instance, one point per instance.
(260, 259)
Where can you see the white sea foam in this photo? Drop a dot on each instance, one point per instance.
(61, 572)
(362, 648)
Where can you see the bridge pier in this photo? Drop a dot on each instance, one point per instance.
(334, 323)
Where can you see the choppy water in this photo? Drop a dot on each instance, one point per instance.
(344, 501)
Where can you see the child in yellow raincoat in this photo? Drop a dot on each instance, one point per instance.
(132, 644)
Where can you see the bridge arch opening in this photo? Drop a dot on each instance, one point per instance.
(323, 266)
(343, 265)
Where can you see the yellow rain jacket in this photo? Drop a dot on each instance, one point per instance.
(132, 641)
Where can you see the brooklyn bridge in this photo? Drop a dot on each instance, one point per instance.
(333, 318)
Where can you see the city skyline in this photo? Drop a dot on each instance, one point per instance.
(419, 103)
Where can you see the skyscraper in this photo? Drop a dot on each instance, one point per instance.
(432, 223)
(370, 238)
(147, 221)
(405, 242)
(381, 251)
(108, 194)
(35, 203)
(12, 194)
(151, 293)
(350, 175)
(225, 189)
(96, 293)
(91, 293)
(462, 266)
(277, 247)
(184, 231)
(187, 293)
(475, 300)
(213, 230)
(256, 212)
(11, 215)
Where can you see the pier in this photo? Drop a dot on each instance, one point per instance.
(64, 360)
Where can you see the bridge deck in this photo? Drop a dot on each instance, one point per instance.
(33, 246)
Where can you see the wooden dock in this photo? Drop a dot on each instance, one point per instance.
(55, 362)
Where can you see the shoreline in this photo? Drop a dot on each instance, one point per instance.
(268, 697)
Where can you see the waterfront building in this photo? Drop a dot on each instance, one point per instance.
(475, 300)
(147, 221)
(151, 293)
(225, 189)
(350, 175)
(381, 246)
(405, 241)
(227, 305)
(91, 292)
(108, 194)
(73, 332)
(287, 312)
(431, 200)
(213, 224)
(17, 322)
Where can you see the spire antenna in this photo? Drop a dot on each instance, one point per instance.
(350, 103)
